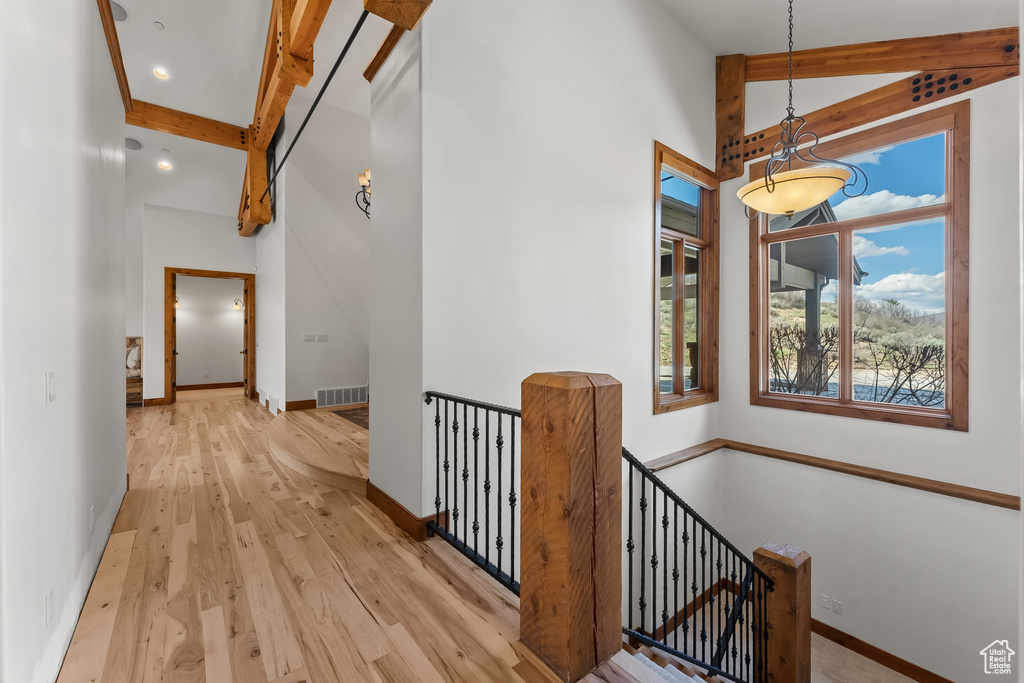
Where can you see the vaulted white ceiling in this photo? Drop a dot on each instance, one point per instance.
(759, 26)
(213, 52)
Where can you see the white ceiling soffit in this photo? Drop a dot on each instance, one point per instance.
(759, 26)
(212, 50)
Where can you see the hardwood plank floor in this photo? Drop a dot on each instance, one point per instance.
(225, 567)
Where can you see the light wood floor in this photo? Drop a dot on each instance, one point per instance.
(322, 446)
(225, 567)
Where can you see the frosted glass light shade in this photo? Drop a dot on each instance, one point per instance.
(794, 190)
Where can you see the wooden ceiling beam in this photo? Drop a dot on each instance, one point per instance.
(995, 48)
(730, 109)
(165, 120)
(114, 46)
(308, 17)
(909, 93)
(402, 13)
(383, 52)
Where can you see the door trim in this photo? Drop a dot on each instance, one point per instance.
(170, 326)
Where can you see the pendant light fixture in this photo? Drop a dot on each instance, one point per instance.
(785, 190)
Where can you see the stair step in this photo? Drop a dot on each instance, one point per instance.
(666, 673)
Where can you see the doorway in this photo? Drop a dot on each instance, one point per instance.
(247, 303)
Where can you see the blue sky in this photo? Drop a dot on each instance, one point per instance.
(905, 262)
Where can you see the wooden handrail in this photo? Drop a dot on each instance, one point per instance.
(1003, 500)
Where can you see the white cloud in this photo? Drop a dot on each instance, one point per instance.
(865, 248)
(883, 201)
(874, 157)
(925, 293)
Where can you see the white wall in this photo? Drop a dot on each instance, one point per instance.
(183, 239)
(210, 332)
(396, 275)
(327, 252)
(538, 215)
(270, 296)
(62, 277)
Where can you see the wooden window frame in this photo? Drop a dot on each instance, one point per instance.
(954, 120)
(708, 245)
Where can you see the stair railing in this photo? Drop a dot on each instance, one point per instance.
(690, 592)
(475, 478)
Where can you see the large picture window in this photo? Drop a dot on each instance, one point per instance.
(686, 282)
(859, 306)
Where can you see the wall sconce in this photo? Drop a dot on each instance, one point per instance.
(237, 306)
(363, 196)
(177, 302)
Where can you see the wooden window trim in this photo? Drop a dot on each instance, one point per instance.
(708, 244)
(955, 121)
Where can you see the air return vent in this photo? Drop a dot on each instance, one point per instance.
(341, 396)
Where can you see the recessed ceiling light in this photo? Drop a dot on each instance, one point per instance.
(118, 10)
(158, 26)
(161, 73)
(133, 144)
(164, 165)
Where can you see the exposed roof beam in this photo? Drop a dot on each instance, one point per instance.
(383, 52)
(402, 13)
(730, 109)
(155, 117)
(287, 62)
(995, 47)
(110, 31)
(904, 95)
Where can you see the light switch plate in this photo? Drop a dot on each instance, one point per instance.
(825, 601)
(308, 337)
(321, 337)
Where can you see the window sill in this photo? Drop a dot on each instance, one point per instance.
(667, 403)
(920, 417)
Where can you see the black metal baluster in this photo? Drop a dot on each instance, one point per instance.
(447, 507)
(654, 561)
(487, 485)
(693, 584)
(499, 543)
(476, 480)
(733, 559)
(675, 577)
(718, 582)
(512, 499)
(465, 473)
(686, 612)
(704, 596)
(747, 625)
(643, 549)
(664, 571)
(437, 463)
(629, 550)
(455, 470)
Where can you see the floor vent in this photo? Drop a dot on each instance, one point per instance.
(342, 396)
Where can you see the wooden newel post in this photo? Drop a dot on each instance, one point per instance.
(571, 570)
(788, 611)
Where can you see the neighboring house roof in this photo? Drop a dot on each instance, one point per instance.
(819, 254)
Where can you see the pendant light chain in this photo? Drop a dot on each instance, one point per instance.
(790, 108)
(785, 189)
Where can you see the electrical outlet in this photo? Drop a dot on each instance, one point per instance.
(321, 337)
(92, 518)
(837, 606)
(51, 387)
(825, 601)
(47, 608)
(308, 337)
